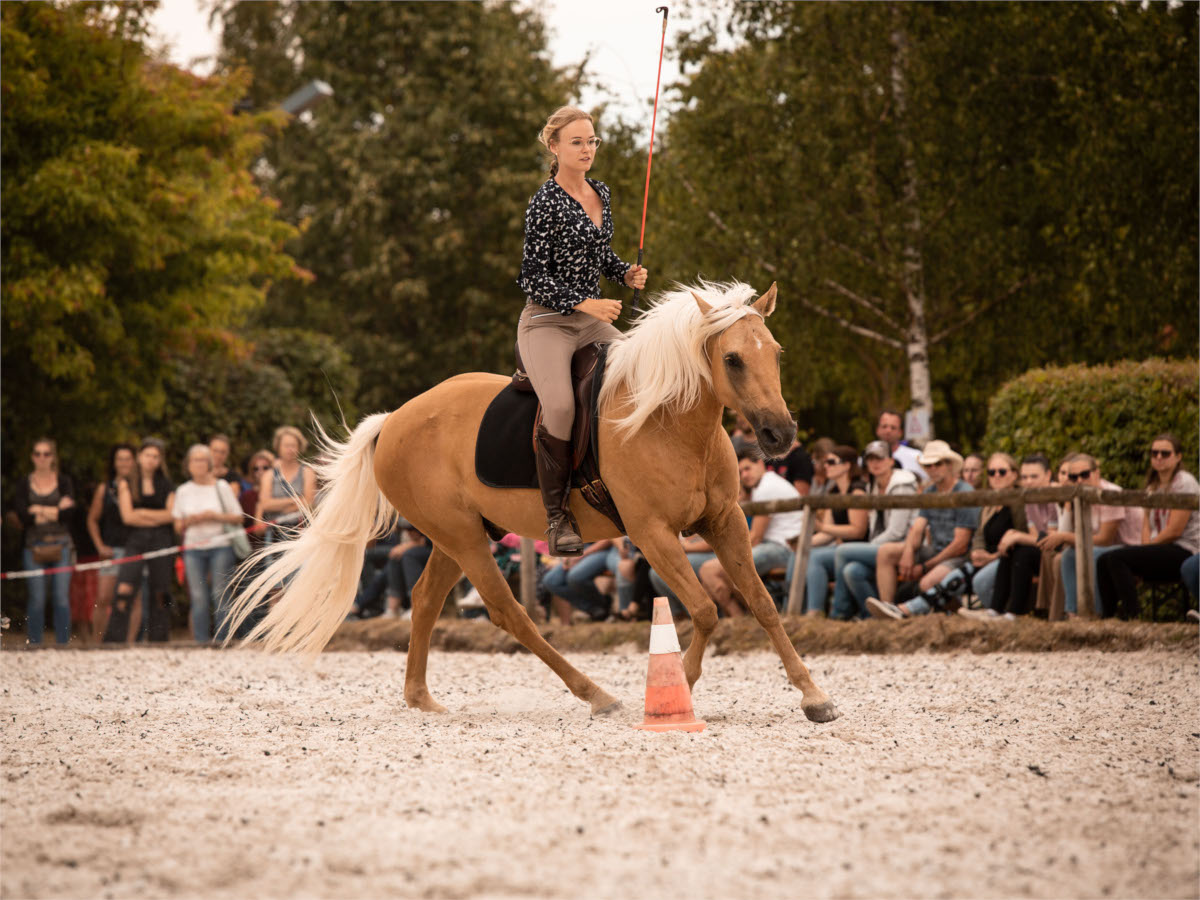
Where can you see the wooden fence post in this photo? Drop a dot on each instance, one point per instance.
(1085, 589)
(795, 601)
(529, 577)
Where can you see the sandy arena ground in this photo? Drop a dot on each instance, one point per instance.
(199, 773)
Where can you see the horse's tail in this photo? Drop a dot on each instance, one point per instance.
(319, 567)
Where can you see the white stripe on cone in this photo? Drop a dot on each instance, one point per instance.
(663, 639)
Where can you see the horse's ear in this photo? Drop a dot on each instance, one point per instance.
(705, 307)
(766, 303)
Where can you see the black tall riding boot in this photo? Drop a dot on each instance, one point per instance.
(554, 476)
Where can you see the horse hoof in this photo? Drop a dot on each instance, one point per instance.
(428, 704)
(821, 712)
(606, 706)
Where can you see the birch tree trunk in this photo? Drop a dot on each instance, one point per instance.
(916, 338)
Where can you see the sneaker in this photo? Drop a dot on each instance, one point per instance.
(1193, 615)
(982, 615)
(388, 614)
(1009, 617)
(881, 610)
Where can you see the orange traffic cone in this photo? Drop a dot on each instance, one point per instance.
(668, 700)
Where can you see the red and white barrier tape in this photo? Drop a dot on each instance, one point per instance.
(219, 540)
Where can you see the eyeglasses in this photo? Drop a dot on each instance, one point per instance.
(998, 472)
(834, 461)
(42, 453)
(591, 142)
(1162, 454)
(1079, 476)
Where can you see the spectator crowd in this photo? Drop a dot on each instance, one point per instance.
(991, 563)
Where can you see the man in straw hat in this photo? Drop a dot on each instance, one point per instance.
(937, 543)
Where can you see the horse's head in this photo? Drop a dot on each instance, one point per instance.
(745, 374)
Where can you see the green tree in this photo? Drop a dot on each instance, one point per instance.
(132, 228)
(411, 183)
(946, 193)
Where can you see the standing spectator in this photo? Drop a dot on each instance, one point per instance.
(258, 464)
(220, 448)
(889, 428)
(972, 470)
(288, 485)
(854, 563)
(1112, 527)
(795, 467)
(108, 531)
(770, 536)
(832, 527)
(1169, 536)
(43, 502)
(926, 562)
(146, 501)
(204, 506)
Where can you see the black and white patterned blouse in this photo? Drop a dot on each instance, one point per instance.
(565, 253)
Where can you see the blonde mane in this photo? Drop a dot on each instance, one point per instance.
(662, 362)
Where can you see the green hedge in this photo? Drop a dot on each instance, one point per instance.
(1112, 412)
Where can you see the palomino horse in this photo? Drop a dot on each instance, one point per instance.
(667, 461)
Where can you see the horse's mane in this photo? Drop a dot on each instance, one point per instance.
(662, 361)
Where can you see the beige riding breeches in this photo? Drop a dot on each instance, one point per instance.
(548, 340)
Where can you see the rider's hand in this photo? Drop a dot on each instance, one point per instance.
(599, 308)
(636, 277)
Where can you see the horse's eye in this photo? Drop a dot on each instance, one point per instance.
(733, 361)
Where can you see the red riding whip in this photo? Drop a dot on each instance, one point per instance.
(650, 159)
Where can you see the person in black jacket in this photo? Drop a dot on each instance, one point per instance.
(109, 533)
(44, 502)
(568, 233)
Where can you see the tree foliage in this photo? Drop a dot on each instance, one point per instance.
(411, 183)
(1054, 152)
(132, 229)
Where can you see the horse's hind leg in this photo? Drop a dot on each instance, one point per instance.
(508, 614)
(428, 597)
(730, 539)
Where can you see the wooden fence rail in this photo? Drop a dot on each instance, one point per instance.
(1081, 497)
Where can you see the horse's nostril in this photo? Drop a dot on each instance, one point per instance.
(770, 435)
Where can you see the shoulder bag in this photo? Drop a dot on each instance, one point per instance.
(239, 542)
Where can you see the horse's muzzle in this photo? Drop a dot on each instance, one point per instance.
(774, 433)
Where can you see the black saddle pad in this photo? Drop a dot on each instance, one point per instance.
(504, 446)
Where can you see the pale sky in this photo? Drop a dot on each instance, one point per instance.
(623, 37)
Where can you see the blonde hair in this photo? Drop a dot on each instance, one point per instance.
(562, 116)
(283, 431)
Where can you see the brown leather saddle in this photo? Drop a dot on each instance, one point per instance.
(587, 375)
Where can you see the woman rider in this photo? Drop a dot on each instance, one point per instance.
(568, 232)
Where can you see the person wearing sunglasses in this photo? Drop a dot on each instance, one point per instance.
(568, 246)
(44, 502)
(926, 562)
(1112, 527)
(832, 527)
(1169, 536)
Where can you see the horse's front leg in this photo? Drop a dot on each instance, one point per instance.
(730, 538)
(665, 554)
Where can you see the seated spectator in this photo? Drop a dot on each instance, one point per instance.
(832, 527)
(937, 543)
(1007, 541)
(1112, 527)
(972, 470)
(146, 501)
(889, 428)
(573, 579)
(821, 448)
(1169, 536)
(204, 506)
(771, 537)
(698, 553)
(44, 501)
(1051, 595)
(405, 564)
(109, 533)
(854, 562)
(795, 467)
(286, 486)
(220, 448)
